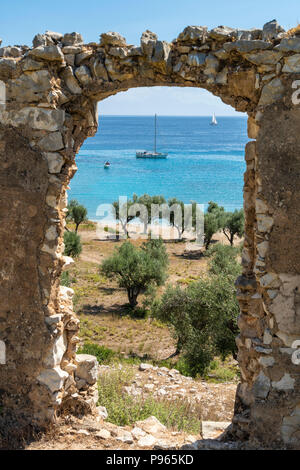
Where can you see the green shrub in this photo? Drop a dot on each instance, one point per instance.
(138, 312)
(203, 316)
(65, 279)
(224, 260)
(72, 243)
(104, 355)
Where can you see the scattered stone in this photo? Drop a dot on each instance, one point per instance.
(144, 367)
(83, 432)
(146, 441)
(151, 425)
(212, 429)
(103, 434)
(102, 412)
(125, 437)
(149, 387)
(164, 445)
(138, 433)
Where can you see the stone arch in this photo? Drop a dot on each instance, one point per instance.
(52, 91)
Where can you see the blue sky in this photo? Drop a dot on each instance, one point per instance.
(20, 20)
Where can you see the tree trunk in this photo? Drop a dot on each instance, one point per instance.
(132, 296)
(124, 226)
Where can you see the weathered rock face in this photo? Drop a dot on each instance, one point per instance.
(50, 107)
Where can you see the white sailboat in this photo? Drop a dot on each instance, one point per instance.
(214, 121)
(154, 154)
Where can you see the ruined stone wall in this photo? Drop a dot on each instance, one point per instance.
(48, 107)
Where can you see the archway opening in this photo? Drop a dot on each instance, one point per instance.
(205, 163)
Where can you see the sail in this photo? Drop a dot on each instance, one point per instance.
(214, 120)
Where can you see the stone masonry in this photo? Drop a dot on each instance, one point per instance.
(48, 107)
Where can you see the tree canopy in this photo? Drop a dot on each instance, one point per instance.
(77, 213)
(136, 269)
(203, 316)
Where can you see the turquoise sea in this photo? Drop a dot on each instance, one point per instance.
(205, 162)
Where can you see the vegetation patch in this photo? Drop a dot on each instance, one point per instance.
(123, 409)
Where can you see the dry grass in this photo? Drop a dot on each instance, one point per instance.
(123, 409)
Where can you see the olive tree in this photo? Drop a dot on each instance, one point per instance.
(77, 213)
(136, 269)
(234, 224)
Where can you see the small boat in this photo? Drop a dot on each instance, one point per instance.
(106, 165)
(214, 121)
(154, 154)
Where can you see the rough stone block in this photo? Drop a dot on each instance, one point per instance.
(87, 368)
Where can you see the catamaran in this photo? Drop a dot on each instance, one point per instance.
(214, 121)
(154, 154)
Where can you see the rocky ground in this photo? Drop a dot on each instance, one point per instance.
(92, 433)
(213, 401)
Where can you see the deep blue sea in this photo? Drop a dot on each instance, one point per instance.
(205, 163)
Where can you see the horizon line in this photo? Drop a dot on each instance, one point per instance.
(174, 115)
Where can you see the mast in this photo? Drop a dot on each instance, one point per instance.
(155, 134)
